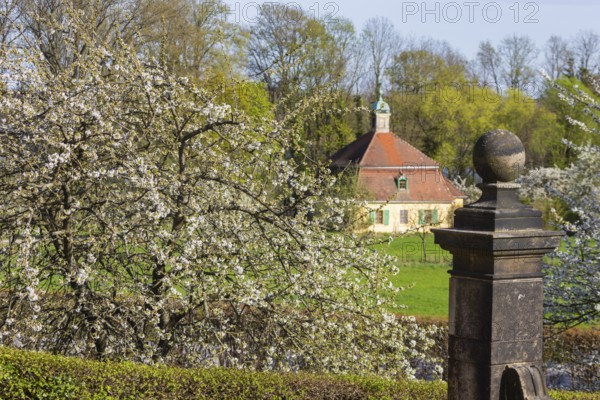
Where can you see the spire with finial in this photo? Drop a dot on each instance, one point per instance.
(380, 114)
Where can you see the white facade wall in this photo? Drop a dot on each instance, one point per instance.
(392, 223)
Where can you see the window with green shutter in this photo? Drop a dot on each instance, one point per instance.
(379, 217)
(427, 217)
(435, 216)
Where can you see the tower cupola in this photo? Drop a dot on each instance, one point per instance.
(380, 115)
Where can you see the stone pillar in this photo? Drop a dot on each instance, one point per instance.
(496, 289)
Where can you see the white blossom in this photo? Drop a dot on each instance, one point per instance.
(141, 219)
(573, 271)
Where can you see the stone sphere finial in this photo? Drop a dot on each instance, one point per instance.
(499, 156)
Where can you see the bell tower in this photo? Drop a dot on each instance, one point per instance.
(380, 115)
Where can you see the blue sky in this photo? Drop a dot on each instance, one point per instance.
(462, 23)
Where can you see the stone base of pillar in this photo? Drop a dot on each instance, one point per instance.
(494, 323)
(505, 382)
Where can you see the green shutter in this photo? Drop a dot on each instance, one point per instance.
(399, 182)
(386, 217)
(435, 216)
(372, 217)
(421, 220)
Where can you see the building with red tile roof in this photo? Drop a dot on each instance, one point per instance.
(404, 188)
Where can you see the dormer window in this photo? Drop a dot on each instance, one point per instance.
(402, 182)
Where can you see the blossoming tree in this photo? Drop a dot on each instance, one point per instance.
(572, 281)
(140, 219)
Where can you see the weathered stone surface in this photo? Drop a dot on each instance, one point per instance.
(499, 156)
(496, 297)
(496, 289)
(523, 382)
(501, 254)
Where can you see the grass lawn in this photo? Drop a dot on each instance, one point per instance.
(426, 282)
(409, 250)
(425, 279)
(426, 293)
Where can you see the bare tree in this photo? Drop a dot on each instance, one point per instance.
(295, 54)
(587, 48)
(276, 48)
(348, 51)
(489, 62)
(193, 36)
(41, 23)
(556, 55)
(382, 42)
(518, 55)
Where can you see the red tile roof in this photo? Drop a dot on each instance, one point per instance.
(382, 157)
(381, 149)
(424, 185)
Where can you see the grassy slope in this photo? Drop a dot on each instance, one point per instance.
(426, 293)
(426, 283)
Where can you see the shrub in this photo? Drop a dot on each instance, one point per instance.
(573, 357)
(33, 375)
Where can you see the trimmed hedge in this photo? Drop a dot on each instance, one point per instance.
(32, 375)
